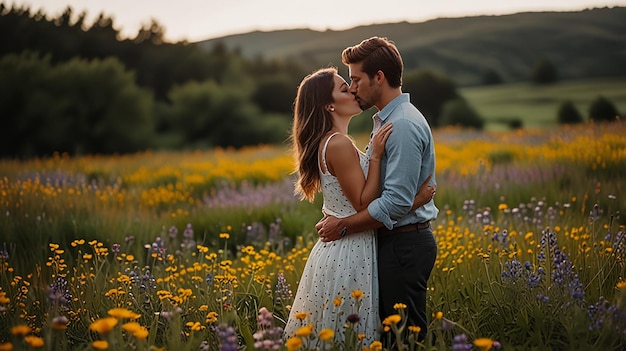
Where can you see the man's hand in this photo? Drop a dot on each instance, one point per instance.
(329, 228)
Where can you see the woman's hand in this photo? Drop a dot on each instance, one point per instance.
(425, 194)
(378, 142)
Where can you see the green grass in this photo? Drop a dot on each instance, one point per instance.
(537, 106)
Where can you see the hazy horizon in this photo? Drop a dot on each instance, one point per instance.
(196, 20)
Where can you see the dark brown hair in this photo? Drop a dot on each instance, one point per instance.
(311, 121)
(377, 54)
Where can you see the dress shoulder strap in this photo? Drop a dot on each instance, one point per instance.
(324, 152)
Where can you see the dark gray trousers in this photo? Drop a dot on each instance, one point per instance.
(405, 261)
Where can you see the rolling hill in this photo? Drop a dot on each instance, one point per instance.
(584, 44)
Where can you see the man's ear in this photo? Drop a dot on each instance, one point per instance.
(379, 77)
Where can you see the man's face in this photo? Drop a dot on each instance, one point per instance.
(365, 89)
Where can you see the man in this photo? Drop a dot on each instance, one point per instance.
(406, 246)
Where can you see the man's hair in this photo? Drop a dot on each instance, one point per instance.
(377, 54)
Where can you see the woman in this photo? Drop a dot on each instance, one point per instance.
(328, 161)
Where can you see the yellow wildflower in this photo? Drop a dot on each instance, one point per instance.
(78, 242)
(20, 330)
(439, 315)
(484, 344)
(357, 294)
(194, 326)
(131, 327)
(326, 334)
(4, 299)
(393, 319)
(224, 235)
(141, 333)
(399, 306)
(414, 329)
(337, 301)
(6, 346)
(293, 344)
(376, 346)
(103, 325)
(100, 345)
(122, 313)
(621, 285)
(301, 315)
(34, 341)
(305, 331)
(211, 317)
(114, 292)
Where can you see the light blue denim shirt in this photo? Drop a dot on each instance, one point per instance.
(408, 160)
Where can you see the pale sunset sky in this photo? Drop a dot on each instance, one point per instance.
(196, 20)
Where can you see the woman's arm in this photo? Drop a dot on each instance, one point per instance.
(343, 162)
(425, 194)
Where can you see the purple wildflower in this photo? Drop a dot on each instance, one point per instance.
(157, 248)
(268, 336)
(604, 314)
(460, 343)
(283, 289)
(227, 337)
(59, 295)
(173, 232)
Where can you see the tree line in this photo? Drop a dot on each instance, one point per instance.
(69, 86)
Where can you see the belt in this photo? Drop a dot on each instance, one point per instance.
(413, 227)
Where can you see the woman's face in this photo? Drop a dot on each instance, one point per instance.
(345, 103)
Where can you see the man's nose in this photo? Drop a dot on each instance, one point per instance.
(352, 88)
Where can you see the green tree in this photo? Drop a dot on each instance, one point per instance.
(458, 112)
(544, 72)
(275, 94)
(78, 107)
(24, 80)
(602, 109)
(207, 114)
(429, 91)
(568, 114)
(108, 111)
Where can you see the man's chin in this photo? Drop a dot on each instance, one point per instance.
(364, 107)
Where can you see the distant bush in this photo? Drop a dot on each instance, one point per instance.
(491, 77)
(458, 112)
(208, 114)
(275, 94)
(544, 72)
(602, 110)
(429, 92)
(568, 114)
(515, 123)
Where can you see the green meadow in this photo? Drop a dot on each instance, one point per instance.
(204, 250)
(536, 106)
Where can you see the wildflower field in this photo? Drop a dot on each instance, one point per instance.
(203, 250)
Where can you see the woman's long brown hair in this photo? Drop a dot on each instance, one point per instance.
(311, 122)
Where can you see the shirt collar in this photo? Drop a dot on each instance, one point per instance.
(386, 111)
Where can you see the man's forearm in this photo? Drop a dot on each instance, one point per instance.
(359, 222)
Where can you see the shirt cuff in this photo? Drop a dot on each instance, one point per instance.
(377, 212)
